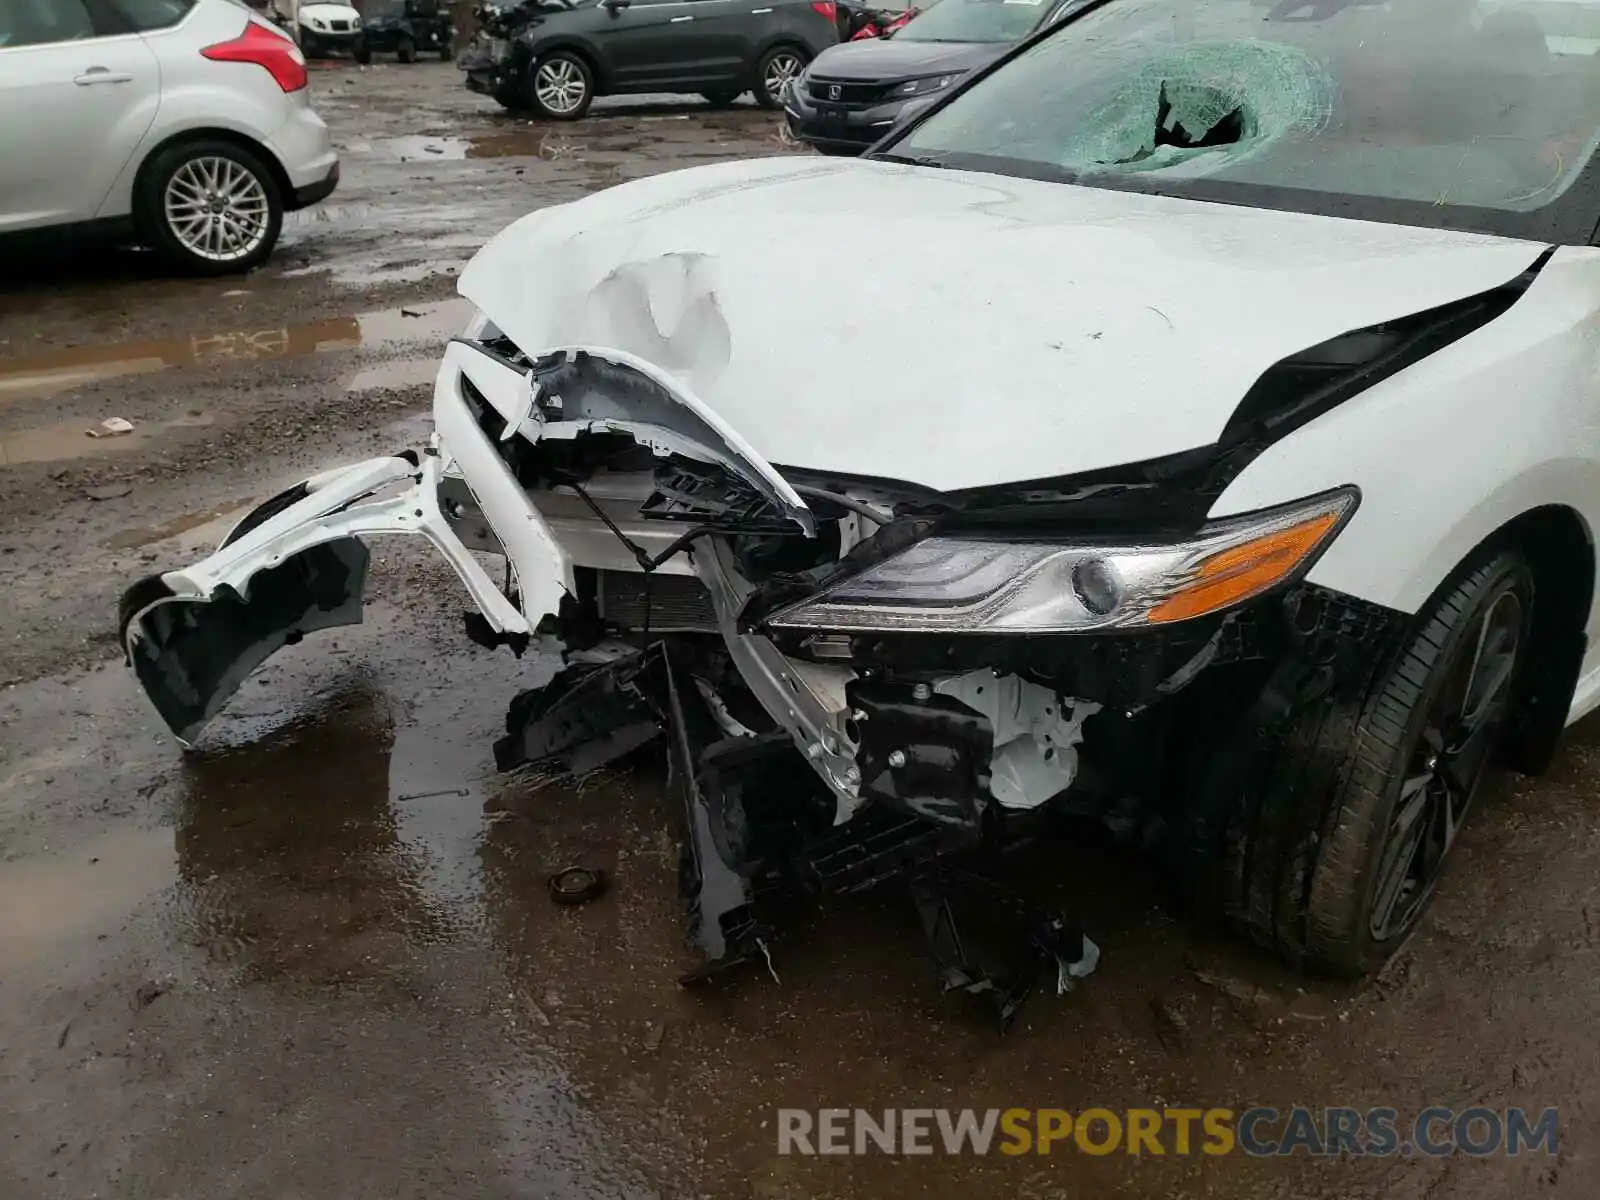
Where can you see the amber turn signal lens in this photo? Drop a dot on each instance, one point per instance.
(1239, 572)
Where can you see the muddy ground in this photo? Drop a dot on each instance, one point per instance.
(315, 957)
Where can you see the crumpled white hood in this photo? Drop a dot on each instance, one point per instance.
(956, 329)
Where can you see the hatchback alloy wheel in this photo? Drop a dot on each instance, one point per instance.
(217, 209)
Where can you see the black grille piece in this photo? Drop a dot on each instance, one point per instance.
(678, 603)
(847, 93)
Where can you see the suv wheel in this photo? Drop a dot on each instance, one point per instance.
(721, 99)
(361, 51)
(778, 66)
(561, 86)
(406, 51)
(211, 207)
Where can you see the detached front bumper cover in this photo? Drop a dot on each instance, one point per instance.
(292, 566)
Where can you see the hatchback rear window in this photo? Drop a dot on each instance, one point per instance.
(145, 15)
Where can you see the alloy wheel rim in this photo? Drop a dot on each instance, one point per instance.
(217, 208)
(780, 70)
(559, 85)
(1441, 781)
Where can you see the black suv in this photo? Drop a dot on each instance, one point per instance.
(554, 57)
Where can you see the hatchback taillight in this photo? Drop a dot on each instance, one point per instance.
(825, 7)
(266, 48)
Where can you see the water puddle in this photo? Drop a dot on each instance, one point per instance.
(328, 845)
(48, 900)
(529, 142)
(41, 375)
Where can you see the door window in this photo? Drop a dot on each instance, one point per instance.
(145, 15)
(40, 22)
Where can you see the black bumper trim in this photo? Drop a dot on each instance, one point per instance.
(321, 190)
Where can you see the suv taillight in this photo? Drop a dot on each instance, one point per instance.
(825, 7)
(266, 48)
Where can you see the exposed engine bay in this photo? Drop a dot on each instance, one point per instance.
(854, 682)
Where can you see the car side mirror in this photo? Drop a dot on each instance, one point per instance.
(615, 6)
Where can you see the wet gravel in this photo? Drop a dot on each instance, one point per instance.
(315, 957)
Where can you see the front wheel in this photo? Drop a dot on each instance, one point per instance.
(1335, 875)
(212, 207)
(561, 86)
(779, 66)
(406, 51)
(720, 99)
(447, 48)
(362, 51)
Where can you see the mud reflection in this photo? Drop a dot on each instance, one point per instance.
(291, 849)
(56, 371)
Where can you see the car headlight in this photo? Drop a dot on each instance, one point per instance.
(973, 585)
(921, 87)
(355, 21)
(316, 23)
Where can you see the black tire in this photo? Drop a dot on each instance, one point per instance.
(1307, 846)
(361, 51)
(573, 73)
(447, 50)
(721, 99)
(150, 211)
(310, 46)
(406, 49)
(769, 95)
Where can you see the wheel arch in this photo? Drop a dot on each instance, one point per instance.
(218, 134)
(779, 39)
(579, 48)
(1559, 546)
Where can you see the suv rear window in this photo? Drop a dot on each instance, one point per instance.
(145, 15)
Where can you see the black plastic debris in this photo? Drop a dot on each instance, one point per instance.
(586, 717)
(988, 942)
(757, 825)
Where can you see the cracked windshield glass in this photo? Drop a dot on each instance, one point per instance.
(1443, 102)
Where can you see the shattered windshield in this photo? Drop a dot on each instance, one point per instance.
(1469, 113)
(974, 21)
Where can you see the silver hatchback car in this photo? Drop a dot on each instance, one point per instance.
(186, 123)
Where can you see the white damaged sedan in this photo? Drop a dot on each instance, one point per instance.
(1191, 421)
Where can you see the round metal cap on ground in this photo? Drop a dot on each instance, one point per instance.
(576, 885)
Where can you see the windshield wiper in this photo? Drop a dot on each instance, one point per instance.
(911, 160)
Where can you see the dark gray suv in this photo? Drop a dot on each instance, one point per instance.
(555, 56)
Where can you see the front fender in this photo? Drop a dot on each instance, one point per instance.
(1453, 448)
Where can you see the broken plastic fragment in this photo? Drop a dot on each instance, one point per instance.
(111, 427)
